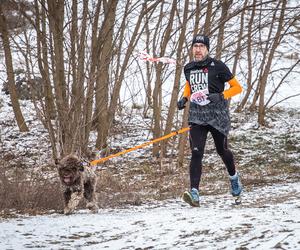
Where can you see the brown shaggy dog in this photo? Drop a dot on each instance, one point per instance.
(78, 181)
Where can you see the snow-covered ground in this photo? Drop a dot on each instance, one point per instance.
(269, 217)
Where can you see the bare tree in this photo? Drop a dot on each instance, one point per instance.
(42, 56)
(264, 76)
(103, 78)
(157, 102)
(208, 16)
(149, 69)
(56, 25)
(239, 39)
(178, 70)
(249, 59)
(10, 72)
(225, 7)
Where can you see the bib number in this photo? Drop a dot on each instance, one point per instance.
(200, 97)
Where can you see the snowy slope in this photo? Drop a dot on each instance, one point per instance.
(268, 218)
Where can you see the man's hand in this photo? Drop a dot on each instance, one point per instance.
(181, 103)
(215, 97)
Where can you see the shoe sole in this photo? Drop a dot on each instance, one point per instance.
(188, 199)
(237, 200)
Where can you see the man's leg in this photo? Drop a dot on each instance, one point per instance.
(222, 150)
(198, 135)
(228, 159)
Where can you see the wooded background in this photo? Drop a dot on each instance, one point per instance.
(86, 53)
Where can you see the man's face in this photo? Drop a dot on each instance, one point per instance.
(199, 51)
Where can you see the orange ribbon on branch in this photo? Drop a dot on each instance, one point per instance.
(101, 160)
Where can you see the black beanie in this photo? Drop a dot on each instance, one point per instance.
(201, 39)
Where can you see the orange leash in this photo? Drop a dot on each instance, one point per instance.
(183, 130)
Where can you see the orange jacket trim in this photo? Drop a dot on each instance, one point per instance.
(187, 90)
(235, 88)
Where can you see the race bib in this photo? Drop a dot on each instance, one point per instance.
(200, 97)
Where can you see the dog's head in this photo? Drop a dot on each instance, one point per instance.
(69, 169)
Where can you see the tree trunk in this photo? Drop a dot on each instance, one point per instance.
(240, 38)
(88, 105)
(249, 59)
(263, 80)
(158, 82)
(264, 55)
(103, 80)
(207, 23)
(148, 88)
(175, 91)
(10, 73)
(56, 21)
(225, 7)
(78, 75)
(42, 57)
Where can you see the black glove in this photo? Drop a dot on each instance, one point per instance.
(215, 97)
(181, 103)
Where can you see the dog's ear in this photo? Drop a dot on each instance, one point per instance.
(81, 168)
(56, 163)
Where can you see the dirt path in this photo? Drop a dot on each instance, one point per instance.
(268, 218)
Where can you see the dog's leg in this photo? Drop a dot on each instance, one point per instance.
(89, 195)
(67, 197)
(74, 200)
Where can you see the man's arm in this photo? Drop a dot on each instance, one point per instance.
(235, 88)
(187, 90)
(186, 94)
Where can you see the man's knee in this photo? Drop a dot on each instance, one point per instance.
(223, 152)
(197, 152)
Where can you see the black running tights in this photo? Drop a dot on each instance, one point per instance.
(198, 135)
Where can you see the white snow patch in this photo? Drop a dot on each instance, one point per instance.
(268, 217)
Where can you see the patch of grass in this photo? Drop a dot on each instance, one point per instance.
(27, 192)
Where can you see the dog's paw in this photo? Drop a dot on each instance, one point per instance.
(92, 206)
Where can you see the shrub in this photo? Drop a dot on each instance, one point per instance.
(28, 193)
